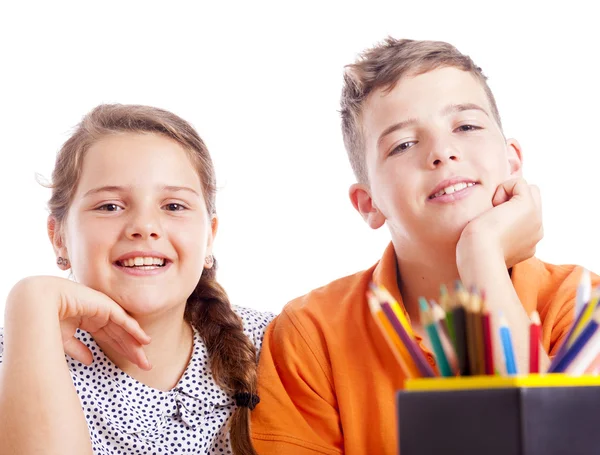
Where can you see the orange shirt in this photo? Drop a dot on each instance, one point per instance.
(327, 377)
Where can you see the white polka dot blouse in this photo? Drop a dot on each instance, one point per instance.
(126, 417)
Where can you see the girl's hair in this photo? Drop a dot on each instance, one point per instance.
(232, 355)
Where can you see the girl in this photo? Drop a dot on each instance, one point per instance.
(160, 361)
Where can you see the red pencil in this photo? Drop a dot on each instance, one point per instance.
(534, 343)
(487, 342)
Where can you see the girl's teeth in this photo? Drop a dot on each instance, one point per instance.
(143, 262)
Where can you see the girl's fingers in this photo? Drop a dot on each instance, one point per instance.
(120, 318)
(129, 345)
(78, 351)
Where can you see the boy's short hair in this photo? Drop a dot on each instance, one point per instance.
(381, 67)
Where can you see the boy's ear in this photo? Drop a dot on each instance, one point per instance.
(515, 157)
(363, 203)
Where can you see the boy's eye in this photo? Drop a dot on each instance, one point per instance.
(402, 147)
(175, 207)
(109, 208)
(468, 128)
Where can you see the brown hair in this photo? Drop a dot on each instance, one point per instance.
(232, 354)
(381, 67)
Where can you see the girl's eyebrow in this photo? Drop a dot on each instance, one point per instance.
(180, 188)
(121, 189)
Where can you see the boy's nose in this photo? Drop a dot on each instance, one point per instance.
(438, 161)
(441, 153)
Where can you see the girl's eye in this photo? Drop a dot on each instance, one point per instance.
(175, 207)
(468, 128)
(403, 147)
(109, 208)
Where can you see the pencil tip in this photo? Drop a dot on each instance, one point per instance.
(423, 304)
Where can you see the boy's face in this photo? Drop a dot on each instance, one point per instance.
(434, 156)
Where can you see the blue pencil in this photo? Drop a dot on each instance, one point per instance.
(575, 348)
(509, 353)
(567, 342)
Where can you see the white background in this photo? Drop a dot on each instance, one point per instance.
(261, 83)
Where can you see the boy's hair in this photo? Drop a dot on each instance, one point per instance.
(381, 67)
(232, 355)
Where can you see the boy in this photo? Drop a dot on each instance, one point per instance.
(425, 141)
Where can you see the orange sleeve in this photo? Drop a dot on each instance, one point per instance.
(297, 413)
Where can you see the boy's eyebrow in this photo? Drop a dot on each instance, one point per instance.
(454, 108)
(395, 127)
(451, 109)
(120, 189)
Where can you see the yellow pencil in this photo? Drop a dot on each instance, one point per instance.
(399, 349)
(383, 295)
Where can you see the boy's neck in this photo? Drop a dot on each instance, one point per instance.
(421, 274)
(169, 352)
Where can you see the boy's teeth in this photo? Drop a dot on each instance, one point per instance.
(142, 262)
(452, 188)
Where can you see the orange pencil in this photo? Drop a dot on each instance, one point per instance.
(399, 349)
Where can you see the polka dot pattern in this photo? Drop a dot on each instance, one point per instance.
(127, 417)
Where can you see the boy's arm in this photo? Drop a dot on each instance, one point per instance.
(485, 269)
(297, 413)
(501, 237)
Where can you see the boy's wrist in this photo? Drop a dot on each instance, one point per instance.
(479, 257)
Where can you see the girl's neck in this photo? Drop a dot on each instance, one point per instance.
(169, 352)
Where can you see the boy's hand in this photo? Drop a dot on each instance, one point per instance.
(511, 229)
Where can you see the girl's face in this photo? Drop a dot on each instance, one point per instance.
(138, 229)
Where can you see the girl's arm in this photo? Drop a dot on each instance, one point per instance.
(40, 412)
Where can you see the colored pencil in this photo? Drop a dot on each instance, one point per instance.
(434, 338)
(384, 296)
(584, 291)
(586, 357)
(459, 320)
(446, 304)
(488, 342)
(534, 342)
(411, 345)
(472, 351)
(575, 348)
(507, 346)
(567, 340)
(399, 349)
(439, 317)
(476, 305)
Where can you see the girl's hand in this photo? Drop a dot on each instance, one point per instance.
(79, 306)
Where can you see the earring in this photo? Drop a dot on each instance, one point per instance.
(209, 261)
(60, 261)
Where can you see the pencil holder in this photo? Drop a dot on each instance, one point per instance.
(551, 414)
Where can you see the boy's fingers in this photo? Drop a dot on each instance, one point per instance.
(500, 196)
